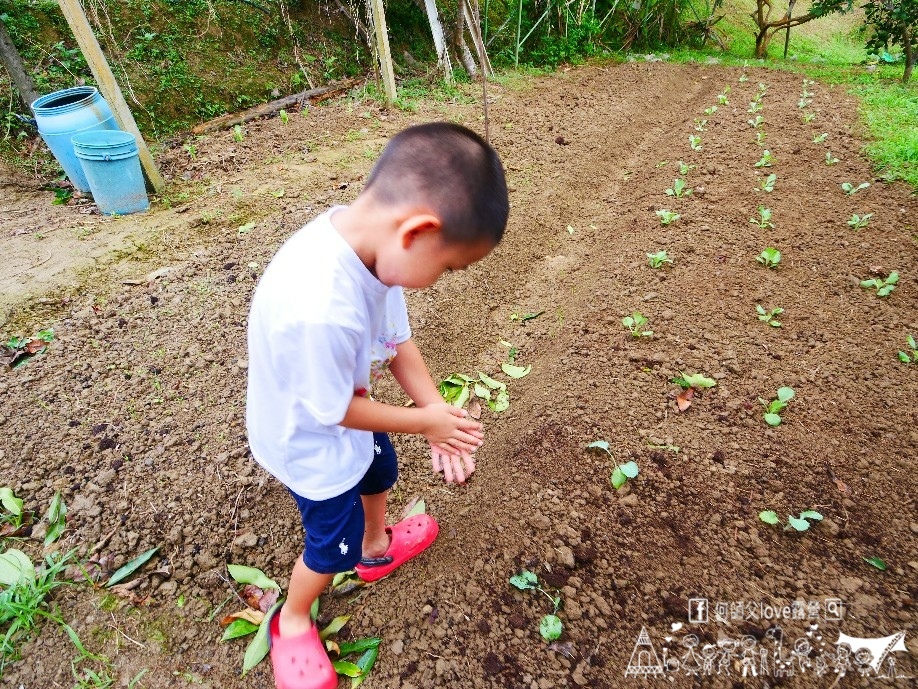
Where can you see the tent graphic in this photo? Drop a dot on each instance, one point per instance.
(644, 661)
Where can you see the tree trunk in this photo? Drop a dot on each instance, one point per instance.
(761, 44)
(909, 55)
(13, 63)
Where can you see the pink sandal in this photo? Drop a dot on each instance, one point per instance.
(300, 662)
(410, 537)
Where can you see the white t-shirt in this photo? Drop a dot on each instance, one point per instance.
(322, 328)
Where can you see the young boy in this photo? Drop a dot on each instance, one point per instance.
(327, 318)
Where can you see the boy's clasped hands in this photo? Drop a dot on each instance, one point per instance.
(453, 439)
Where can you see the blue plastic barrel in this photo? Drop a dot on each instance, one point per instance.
(112, 166)
(61, 115)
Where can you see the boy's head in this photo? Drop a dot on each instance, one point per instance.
(448, 188)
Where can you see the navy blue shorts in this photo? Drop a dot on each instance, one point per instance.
(334, 527)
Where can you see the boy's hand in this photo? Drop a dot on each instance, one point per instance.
(455, 467)
(450, 428)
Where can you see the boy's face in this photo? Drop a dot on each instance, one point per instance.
(419, 259)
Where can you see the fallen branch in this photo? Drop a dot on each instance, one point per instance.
(312, 95)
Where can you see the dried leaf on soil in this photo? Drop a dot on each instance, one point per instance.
(684, 399)
(251, 575)
(248, 614)
(258, 648)
(475, 408)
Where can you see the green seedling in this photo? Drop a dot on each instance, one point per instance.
(770, 257)
(760, 137)
(710, 111)
(722, 99)
(754, 107)
(774, 408)
(859, 222)
(696, 381)
(769, 316)
(685, 168)
(635, 324)
(191, 150)
(763, 89)
(875, 562)
(695, 142)
(911, 355)
(16, 351)
(820, 138)
(512, 351)
(550, 626)
(662, 163)
(808, 117)
(667, 217)
(801, 523)
(767, 184)
(679, 189)
(884, 287)
(757, 122)
(701, 125)
(620, 472)
(803, 102)
(766, 160)
(743, 79)
(851, 190)
(764, 219)
(284, 117)
(658, 259)
(12, 516)
(238, 136)
(830, 159)
(56, 518)
(523, 317)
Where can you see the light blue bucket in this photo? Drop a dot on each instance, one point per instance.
(64, 114)
(112, 166)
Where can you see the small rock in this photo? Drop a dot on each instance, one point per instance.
(246, 540)
(397, 647)
(650, 296)
(566, 557)
(914, 527)
(629, 500)
(851, 584)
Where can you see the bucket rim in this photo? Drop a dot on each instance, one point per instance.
(104, 139)
(90, 92)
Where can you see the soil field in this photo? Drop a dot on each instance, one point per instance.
(136, 410)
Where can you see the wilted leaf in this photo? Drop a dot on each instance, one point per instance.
(601, 444)
(365, 663)
(334, 626)
(482, 391)
(259, 646)
(684, 399)
(248, 614)
(343, 667)
(491, 383)
(515, 371)
(127, 570)
(15, 565)
(332, 647)
(10, 502)
(415, 507)
(238, 628)
(268, 600)
(35, 346)
(251, 575)
(475, 409)
(359, 646)
(251, 594)
(565, 648)
(501, 402)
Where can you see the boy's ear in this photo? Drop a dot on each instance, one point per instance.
(417, 225)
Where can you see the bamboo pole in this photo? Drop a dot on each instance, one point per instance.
(86, 39)
(382, 48)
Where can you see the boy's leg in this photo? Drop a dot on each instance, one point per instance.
(305, 587)
(375, 538)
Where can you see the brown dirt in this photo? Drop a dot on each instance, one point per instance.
(136, 411)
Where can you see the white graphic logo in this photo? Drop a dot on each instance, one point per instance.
(644, 661)
(343, 547)
(698, 610)
(378, 448)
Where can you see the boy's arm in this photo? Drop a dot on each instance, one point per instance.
(412, 375)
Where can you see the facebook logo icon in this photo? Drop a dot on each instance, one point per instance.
(698, 610)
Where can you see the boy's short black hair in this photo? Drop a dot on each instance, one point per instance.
(451, 169)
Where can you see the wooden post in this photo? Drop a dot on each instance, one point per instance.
(382, 48)
(436, 29)
(82, 31)
(13, 63)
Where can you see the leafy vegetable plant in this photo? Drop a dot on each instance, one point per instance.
(820, 138)
(764, 219)
(830, 159)
(698, 381)
(550, 627)
(701, 125)
(769, 316)
(800, 523)
(679, 189)
(238, 136)
(767, 184)
(710, 111)
(859, 222)
(658, 259)
(666, 216)
(911, 355)
(774, 408)
(685, 168)
(754, 107)
(884, 287)
(743, 78)
(808, 117)
(635, 324)
(851, 190)
(722, 99)
(766, 160)
(760, 137)
(694, 142)
(770, 257)
(803, 102)
(621, 473)
(756, 122)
